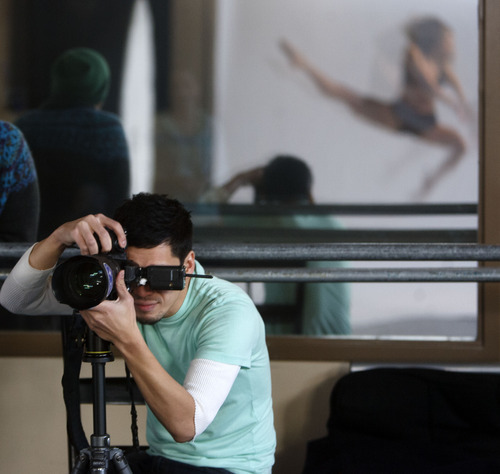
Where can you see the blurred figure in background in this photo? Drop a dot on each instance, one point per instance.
(427, 69)
(323, 308)
(80, 151)
(184, 136)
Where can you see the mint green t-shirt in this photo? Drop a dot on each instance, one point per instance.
(219, 322)
(325, 306)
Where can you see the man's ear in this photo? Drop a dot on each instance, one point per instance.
(189, 262)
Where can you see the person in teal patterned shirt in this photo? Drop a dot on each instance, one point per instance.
(19, 194)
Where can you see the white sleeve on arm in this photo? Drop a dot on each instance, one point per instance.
(27, 290)
(209, 383)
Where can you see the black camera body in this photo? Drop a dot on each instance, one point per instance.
(85, 281)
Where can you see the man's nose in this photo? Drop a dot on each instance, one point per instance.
(142, 290)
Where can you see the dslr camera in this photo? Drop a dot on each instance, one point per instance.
(85, 281)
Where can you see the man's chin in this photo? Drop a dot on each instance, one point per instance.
(148, 318)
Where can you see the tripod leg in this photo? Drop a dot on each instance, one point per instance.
(82, 463)
(120, 461)
(96, 461)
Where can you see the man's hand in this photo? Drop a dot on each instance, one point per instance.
(81, 232)
(115, 321)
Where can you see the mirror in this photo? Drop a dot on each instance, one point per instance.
(237, 83)
(346, 87)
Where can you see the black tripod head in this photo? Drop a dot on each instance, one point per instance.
(96, 349)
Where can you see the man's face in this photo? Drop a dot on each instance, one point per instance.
(153, 305)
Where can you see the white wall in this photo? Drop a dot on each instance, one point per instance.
(137, 97)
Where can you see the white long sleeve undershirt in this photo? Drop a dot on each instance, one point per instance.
(209, 383)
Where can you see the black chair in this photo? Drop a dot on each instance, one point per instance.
(410, 420)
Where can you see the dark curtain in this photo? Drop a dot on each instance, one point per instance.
(43, 29)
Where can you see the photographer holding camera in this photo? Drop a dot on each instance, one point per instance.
(198, 354)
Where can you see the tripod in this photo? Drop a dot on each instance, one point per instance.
(96, 458)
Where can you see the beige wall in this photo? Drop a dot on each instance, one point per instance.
(32, 418)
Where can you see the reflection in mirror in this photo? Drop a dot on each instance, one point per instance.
(374, 116)
(380, 100)
(80, 151)
(183, 142)
(378, 111)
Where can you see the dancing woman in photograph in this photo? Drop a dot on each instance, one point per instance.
(427, 69)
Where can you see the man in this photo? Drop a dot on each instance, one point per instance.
(198, 354)
(323, 308)
(80, 151)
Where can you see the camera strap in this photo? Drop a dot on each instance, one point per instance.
(133, 411)
(73, 337)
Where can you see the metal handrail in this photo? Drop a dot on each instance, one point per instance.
(317, 251)
(325, 275)
(218, 255)
(333, 209)
(347, 251)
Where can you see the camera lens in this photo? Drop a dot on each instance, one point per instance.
(83, 282)
(87, 280)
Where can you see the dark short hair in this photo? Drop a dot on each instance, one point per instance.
(154, 219)
(285, 179)
(427, 33)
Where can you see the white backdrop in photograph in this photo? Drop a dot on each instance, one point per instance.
(265, 106)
